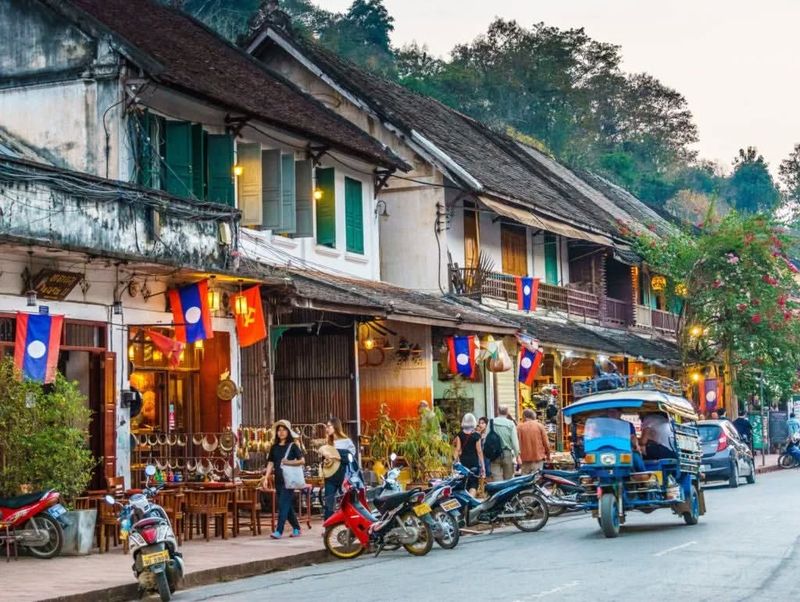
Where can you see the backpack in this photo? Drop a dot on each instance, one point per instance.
(492, 445)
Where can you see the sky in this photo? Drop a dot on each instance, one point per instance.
(733, 60)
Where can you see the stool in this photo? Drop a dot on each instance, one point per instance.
(10, 540)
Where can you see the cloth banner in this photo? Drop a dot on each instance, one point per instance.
(529, 363)
(527, 293)
(191, 313)
(36, 346)
(462, 351)
(171, 348)
(250, 324)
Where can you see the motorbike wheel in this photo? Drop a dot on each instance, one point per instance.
(556, 510)
(609, 515)
(424, 541)
(693, 516)
(342, 542)
(535, 509)
(450, 534)
(163, 586)
(51, 549)
(786, 461)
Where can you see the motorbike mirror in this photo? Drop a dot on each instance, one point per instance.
(110, 500)
(350, 458)
(150, 470)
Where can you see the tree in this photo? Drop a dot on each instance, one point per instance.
(751, 188)
(789, 174)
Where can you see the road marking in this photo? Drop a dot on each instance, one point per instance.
(550, 592)
(680, 547)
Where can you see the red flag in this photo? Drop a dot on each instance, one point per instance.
(250, 325)
(169, 347)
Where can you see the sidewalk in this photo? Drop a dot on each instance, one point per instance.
(109, 576)
(770, 463)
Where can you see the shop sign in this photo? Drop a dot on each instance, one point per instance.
(55, 285)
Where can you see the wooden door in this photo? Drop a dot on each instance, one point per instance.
(471, 239)
(109, 414)
(514, 248)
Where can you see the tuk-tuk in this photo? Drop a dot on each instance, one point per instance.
(616, 472)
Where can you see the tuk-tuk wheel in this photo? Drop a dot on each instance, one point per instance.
(609, 515)
(693, 515)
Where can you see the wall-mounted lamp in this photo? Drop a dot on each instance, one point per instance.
(116, 308)
(31, 296)
(380, 210)
(238, 170)
(213, 300)
(318, 194)
(240, 305)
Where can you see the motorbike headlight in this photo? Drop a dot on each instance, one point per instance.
(608, 459)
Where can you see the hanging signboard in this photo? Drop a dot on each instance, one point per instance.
(758, 430)
(55, 285)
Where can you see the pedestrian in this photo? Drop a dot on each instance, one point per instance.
(503, 467)
(468, 451)
(793, 424)
(534, 447)
(483, 430)
(714, 416)
(285, 451)
(744, 428)
(345, 448)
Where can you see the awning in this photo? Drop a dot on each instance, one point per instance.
(527, 217)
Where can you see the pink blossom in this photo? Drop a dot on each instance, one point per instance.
(732, 258)
(756, 319)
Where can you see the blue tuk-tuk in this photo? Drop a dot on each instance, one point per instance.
(624, 468)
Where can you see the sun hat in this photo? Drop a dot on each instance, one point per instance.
(331, 460)
(287, 425)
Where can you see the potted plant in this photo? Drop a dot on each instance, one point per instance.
(43, 435)
(426, 451)
(382, 441)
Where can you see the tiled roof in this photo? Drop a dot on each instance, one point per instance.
(180, 52)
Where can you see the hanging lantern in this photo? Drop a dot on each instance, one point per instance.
(658, 283)
(131, 352)
(681, 290)
(240, 306)
(31, 295)
(369, 344)
(213, 300)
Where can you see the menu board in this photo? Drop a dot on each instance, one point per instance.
(758, 430)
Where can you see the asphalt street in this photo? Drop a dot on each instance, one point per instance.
(747, 547)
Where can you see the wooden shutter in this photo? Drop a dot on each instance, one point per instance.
(304, 206)
(326, 207)
(109, 415)
(471, 244)
(249, 157)
(288, 217)
(514, 249)
(198, 161)
(179, 158)
(354, 216)
(271, 189)
(551, 258)
(220, 168)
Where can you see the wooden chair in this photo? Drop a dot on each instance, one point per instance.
(205, 506)
(172, 503)
(107, 527)
(249, 506)
(7, 537)
(116, 486)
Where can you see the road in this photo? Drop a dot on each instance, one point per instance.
(747, 547)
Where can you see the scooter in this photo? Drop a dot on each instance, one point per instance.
(790, 458)
(353, 528)
(561, 490)
(35, 522)
(157, 563)
(516, 500)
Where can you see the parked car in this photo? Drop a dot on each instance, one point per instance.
(726, 457)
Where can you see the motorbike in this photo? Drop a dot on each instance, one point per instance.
(353, 528)
(37, 520)
(517, 500)
(157, 563)
(790, 458)
(561, 490)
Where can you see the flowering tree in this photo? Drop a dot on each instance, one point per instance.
(739, 293)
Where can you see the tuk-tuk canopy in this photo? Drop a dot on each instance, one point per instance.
(640, 400)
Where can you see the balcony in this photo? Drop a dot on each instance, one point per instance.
(577, 304)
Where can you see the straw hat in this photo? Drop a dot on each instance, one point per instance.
(288, 425)
(331, 460)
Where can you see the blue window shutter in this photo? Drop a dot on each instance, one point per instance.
(249, 157)
(271, 189)
(326, 207)
(288, 216)
(219, 150)
(198, 161)
(179, 158)
(354, 216)
(304, 206)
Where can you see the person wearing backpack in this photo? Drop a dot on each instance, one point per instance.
(468, 451)
(503, 429)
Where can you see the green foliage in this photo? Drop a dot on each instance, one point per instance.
(424, 449)
(43, 435)
(383, 436)
(740, 305)
(789, 173)
(751, 188)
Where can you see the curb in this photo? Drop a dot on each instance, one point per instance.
(130, 591)
(767, 469)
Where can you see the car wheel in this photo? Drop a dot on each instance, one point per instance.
(751, 478)
(734, 478)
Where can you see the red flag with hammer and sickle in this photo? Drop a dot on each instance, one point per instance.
(250, 325)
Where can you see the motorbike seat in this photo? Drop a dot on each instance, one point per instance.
(392, 500)
(564, 474)
(20, 501)
(496, 486)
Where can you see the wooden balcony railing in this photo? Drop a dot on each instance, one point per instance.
(663, 322)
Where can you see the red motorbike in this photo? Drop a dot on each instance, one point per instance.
(34, 522)
(404, 521)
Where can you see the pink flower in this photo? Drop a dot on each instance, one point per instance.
(787, 315)
(741, 306)
(717, 283)
(755, 302)
(769, 279)
(756, 319)
(782, 300)
(732, 258)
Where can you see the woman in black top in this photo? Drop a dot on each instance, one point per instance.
(468, 450)
(285, 450)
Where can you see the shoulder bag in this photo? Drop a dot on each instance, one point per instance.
(292, 475)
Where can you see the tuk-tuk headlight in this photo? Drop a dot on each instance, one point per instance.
(608, 459)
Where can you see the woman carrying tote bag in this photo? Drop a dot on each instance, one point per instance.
(286, 462)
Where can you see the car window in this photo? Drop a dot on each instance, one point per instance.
(731, 431)
(708, 432)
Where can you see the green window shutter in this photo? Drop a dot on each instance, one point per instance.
(198, 161)
(179, 158)
(219, 150)
(326, 207)
(304, 206)
(288, 217)
(354, 216)
(249, 157)
(551, 259)
(272, 206)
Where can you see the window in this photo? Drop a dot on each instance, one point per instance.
(326, 207)
(270, 189)
(551, 259)
(354, 216)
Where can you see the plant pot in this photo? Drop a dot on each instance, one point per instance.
(79, 533)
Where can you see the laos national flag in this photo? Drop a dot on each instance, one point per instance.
(38, 339)
(529, 364)
(191, 313)
(527, 293)
(462, 355)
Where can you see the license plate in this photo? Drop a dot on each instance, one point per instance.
(56, 510)
(449, 505)
(705, 467)
(158, 557)
(422, 509)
